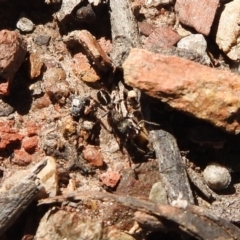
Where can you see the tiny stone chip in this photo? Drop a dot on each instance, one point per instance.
(217, 177)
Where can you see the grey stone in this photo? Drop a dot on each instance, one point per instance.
(25, 25)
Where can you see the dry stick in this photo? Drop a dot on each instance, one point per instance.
(124, 30)
(190, 219)
(17, 199)
(171, 166)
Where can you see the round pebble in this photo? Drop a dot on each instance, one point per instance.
(25, 25)
(217, 177)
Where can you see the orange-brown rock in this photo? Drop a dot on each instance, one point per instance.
(30, 144)
(110, 178)
(82, 69)
(208, 94)
(36, 64)
(197, 14)
(93, 155)
(91, 46)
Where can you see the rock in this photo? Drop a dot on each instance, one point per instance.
(66, 8)
(118, 235)
(206, 93)
(158, 193)
(36, 65)
(48, 177)
(9, 135)
(12, 53)
(156, 3)
(93, 155)
(217, 177)
(110, 178)
(228, 35)
(30, 144)
(32, 128)
(91, 46)
(5, 108)
(62, 224)
(163, 37)
(82, 69)
(21, 158)
(145, 28)
(55, 85)
(41, 40)
(195, 42)
(86, 14)
(25, 25)
(197, 14)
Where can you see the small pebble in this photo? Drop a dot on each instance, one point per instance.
(217, 177)
(25, 25)
(42, 40)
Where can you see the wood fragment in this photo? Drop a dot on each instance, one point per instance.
(124, 29)
(190, 219)
(171, 166)
(17, 199)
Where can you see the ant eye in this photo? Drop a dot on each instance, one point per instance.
(103, 97)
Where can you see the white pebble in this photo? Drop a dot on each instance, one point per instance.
(216, 176)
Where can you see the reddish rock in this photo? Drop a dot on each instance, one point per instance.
(93, 155)
(197, 14)
(8, 135)
(92, 48)
(82, 69)
(42, 102)
(145, 28)
(110, 178)
(21, 158)
(207, 93)
(32, 128)
(30, 144)
(163, 37)
(36, 64)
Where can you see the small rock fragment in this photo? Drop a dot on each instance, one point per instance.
(25, 25)
(93, 155)
(42, 40)
(217, 177)
(228, 35)
(49, 179)
(206, 93)
(86, 14)
(110, 178)
(145, 28)
(5, 108)
(30, 144)
(12, 53)
(55, 85)
(32, 128)
(156, 3)
(195, 42)
(82, 69)
(162, 37)
(197, 14)
(66, 8)
(69, 127)
(91, 46)
(21, 158)
(9, 135)
(56, 225)
(158, 193)
(36, 65)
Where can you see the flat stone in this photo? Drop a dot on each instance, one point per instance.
(12, 53)
(197, 14)
(228, 31)
(162, 37)
(206, 93)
